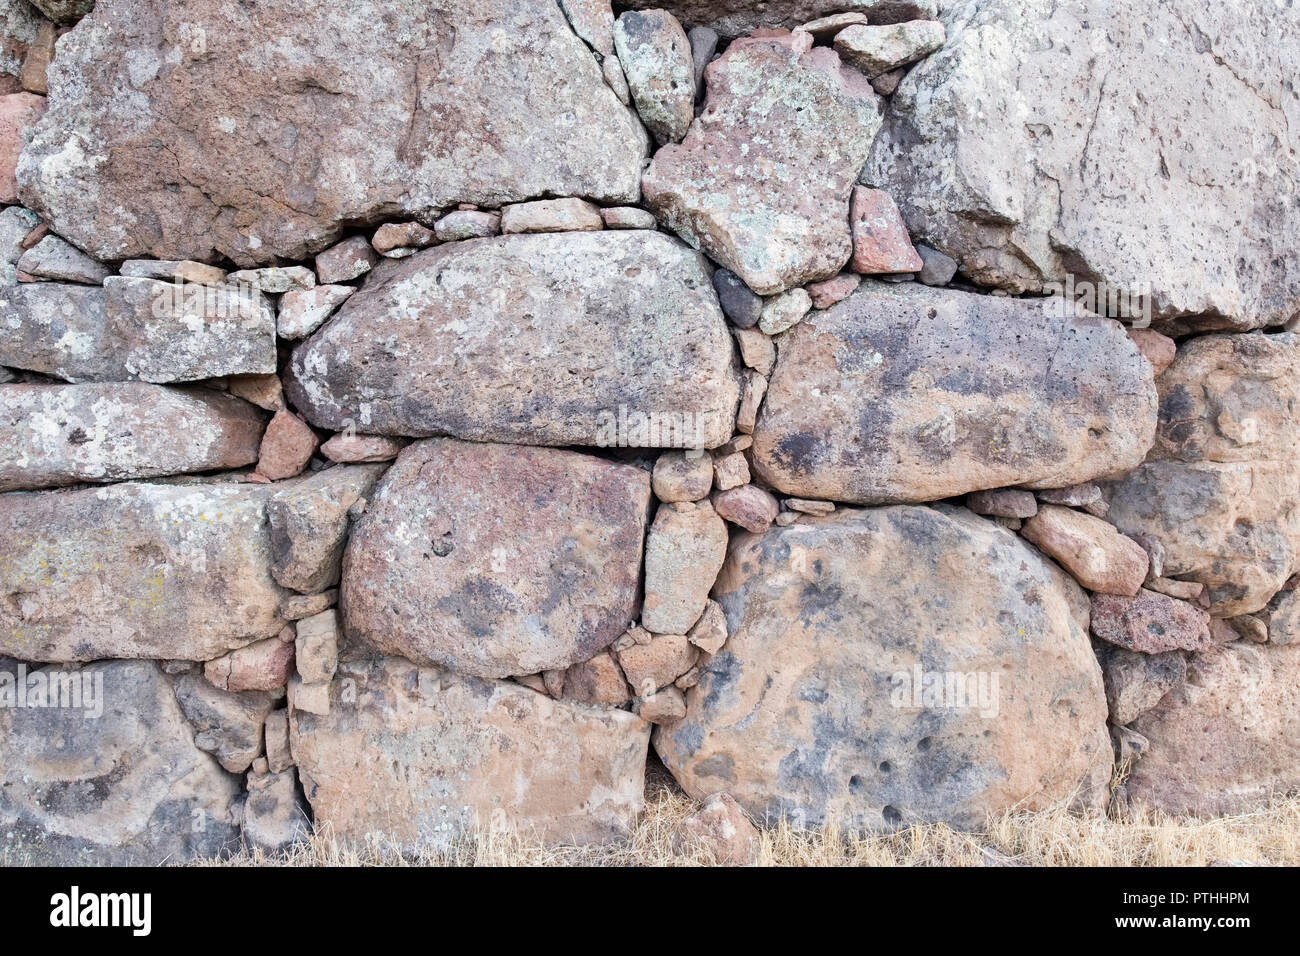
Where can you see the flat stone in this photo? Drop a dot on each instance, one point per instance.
(1150, 623)
(627, 217)
(751, 507)
(906, 393)
(190, 571)
(52, 258)
(395, 236)
(309, 526)
(303, 311)
(262, 390)
(983, 147)
(64, 434)
(1136, 682)
(342, 115)
(730, 471)
(467, 224)
(278, 756)
(762, 180)
(824, 29)
(126, 789)
(187, 270)
(1098, 556)
(510, 339)
(751, 399)
(735, 18)
(316, 648)
(683, 552)
(1075, 496)
(39, 54)
(817, 708)
(826, 293)
(396, 760)
(361, 448)
(496, 560)
(276, 279)
(757, 350)
(349, 259)
(656, 59)
(294, 607)
(1003, 503)
(16, 224)
(1228, 739)
(657, 663)
(551, 215)
(262, 665)
(880, 240)
(878, 49)
(64, 11)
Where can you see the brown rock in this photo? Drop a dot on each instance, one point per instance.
(346, 260)
(1003, 502)
(294, 607)
(278, 757)
(730, 471)
(1136, 682)
(664, 706)
(287, 446)
(593, 20)
(262, 390)
(551, 215)
(316, 647)
(751, 399)
(309, 525)
(1158, 349)
(826, 293)
(494, 559)
(683, 552)
(762, 180)
(756, 349)
(361, 448)
(18, 115)
(262, 665)
(1098, 556)
(1150, 623)
(880, 240)
(598, 681)
(751, 507)
(1075, 496)
(38, 58)
(683, 476)
(657, 663)
(627, 217)
(395, 236)
(735, 18)
(721, 829)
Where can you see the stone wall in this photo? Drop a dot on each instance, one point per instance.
(414, 415)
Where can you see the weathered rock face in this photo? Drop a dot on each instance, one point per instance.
(1228, 738)
(421, 757)
(656, 58)
(226, 725)
(1220, 490)
(584, 338)
(128, 788)
(309, 526)
(906, 393)
(684, 550)
(136, 328)
(177, 570)
(495, 560)
(733, 18)
(64, 434)
(18, 26)
(762, 180)
(991, 149)
(827, 702)
(341, 115)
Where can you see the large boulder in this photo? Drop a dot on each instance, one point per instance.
(64, 434)
(178, 569)
(191, 129)
(733, 18)
(115, 781)
(762, 180)
(1220, 491)
(1228, 738)
(1049, 139)
(890, 666)
(496, 560)
(426, 759)
(602, 338)
(903, 393)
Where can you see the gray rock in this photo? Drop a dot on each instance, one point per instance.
(593, 20)
(683, 552)
(226, 725)
(741, 306)
(64, 11)
(64, 434)
(938, 269)
(511, 339)
(824, 705)
(275, 817)
(656, 59)
(991, 146)
(309, 525)
(762, 180)
(906, 393)
(704, 44)
(15, 223)
(52, 258)
(735, 18)
(1136, 682)
(175, 570)
(393, 756)
(19, 23)
(129, 788)
(338, 115)
(496, 560)
(878, 49)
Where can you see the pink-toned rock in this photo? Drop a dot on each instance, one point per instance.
(751, 399)
(1150, 623)
(496, 560)
(1003, 503)
(730, 471)
(551, 215)
(751, 507)
(593, 20)
(395, 236)
(18, 113)
(762, 180)
(683, 553)
(756, 349)
(665, 706)
(1158, 348)
(1098, 556)
(683, 476)
(302, 311)
(826, 293)
(598, 682)
(361, 448)
(346, 260)
(710, 631)
(264, 665)
(658, 663)
(721, 829)
(881, 244)
(627, 217)
(287, 446)
(264, 390)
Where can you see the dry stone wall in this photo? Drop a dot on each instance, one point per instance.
(417, 416)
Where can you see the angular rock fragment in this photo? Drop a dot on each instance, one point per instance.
(309, 526)
(709, 633)
(826, 293)
(52, 258)
(467, 224)
(683, 552)
(273, 817)
(264, 665)
(339, 116)
(287, 446)
(65, 434)
(656, 59)
(880, 241)
(126, 789)
(511, 339)
(316, 648)
(735, 18)
(1150, 622)
(721, 829)
(1003, 503)
(627, 217)
(275, 279)
(657, 663)
(664, 706)
(349, 259)
(187, 270)
(394, 237)
(598, 682)
(428, 758)
(593, 20)
(496, 560)
(742, 307)
(1136, 682)
(751, 507)
(1098, 556)
(1228, 739)
(303, 311)
(846, 694)
(226, 725)
(762, 180)
(19, 113)
(906, 393)
(783, 311)
(361, 448)
(878, 49)
(178, 570)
